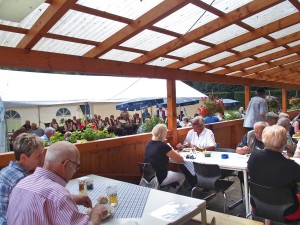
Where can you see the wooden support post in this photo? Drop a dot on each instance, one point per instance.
(247, 95)
(283, 100)
(172, 114)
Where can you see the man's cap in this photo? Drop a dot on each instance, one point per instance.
(270, 115)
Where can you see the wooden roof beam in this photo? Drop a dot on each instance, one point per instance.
(209, 28)
(253, 51)
(53, 13)
(278, 68)
(244, 38)
(13, 29)
(284, 71)
(147, 20)
(52, 61)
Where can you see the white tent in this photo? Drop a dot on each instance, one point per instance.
(29, 88)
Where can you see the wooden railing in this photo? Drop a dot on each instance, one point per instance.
(117, 157)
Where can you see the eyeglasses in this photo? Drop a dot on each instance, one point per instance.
(76, 164)
(195, 124)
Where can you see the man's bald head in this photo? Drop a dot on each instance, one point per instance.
(63, 159)
(61, 151)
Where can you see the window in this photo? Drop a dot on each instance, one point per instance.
(63, 114)
(13, 120)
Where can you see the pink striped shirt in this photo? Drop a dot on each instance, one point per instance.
(41, 199)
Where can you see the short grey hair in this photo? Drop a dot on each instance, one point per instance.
(284, 122)
(283, 115)
(199, 119)
(26, 144)
(159, 132)
(49, 130)
(260, 124)
(274, 138)
(271, 115)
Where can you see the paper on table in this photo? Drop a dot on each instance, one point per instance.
(172, 211)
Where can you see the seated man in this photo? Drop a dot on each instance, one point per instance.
(42, 198)
(272, 118)
(37, 130)
(290, 146)
(252, 139)
(200, 137)
(49, 132)
(28, 150)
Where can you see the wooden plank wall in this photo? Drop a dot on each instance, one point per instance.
(117, 157)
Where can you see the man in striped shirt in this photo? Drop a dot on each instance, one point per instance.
(28, 149)
(42, 198)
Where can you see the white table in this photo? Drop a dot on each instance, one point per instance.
(155, 200)
(234, 162)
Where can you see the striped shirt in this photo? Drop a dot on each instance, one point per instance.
(9, 177)
(42, 199)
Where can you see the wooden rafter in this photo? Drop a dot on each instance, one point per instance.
(145, 21)
(52, 14)
(260, 32)
(213, 26)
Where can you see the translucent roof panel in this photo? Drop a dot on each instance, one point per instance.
(295, 43)
(185, 19)
(192, 66)
(188, 50)
(286, 31)
(30, 19)
(147, 40)
(65, 47)
(217, 57)
(225, 34)
(161, 61)
(125, 8)
(251, 44)
(273, 60)
(226, 6)
(215, 70)
(9, 39)
(85, 26)
(261, 64)
(271, 14)
(269, 52)
(120, 55)
(239, 62)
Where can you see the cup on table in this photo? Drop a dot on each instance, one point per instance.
(82, 185)
(112, 194)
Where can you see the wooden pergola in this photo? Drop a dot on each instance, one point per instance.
(243, 42)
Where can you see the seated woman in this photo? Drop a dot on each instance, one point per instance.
(158, 154)
(269, 167)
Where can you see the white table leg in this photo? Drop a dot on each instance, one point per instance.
(246, 192)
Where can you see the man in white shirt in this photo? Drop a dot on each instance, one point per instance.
(200, 137)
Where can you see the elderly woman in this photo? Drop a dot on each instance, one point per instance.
(269, 167)
(158, 154)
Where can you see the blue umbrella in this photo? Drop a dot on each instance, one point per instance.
(181, 101)
(138, 103)
(229, 103)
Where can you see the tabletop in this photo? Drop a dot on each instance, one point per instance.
(141, 205)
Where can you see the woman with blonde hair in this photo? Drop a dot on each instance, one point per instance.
(158, 154)
(268, 167)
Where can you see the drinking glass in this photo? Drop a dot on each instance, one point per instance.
(112, 195)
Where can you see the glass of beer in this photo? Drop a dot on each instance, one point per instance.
(112, 195)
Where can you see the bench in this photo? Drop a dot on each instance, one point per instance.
(225, 219)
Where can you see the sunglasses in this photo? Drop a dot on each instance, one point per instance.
(76, 164)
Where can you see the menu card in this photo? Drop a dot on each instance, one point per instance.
(172, 211)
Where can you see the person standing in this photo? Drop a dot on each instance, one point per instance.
(256, 110)
(28, 150)
(42, 197)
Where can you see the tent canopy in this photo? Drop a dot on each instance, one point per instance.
(19, 88)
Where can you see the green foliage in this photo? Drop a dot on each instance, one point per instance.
(56, 137)
(232, 115)
(102, 134)
(148, 125)
(90, 134)
(78, 135)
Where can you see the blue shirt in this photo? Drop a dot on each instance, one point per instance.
(9, 177)
(211, 119)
